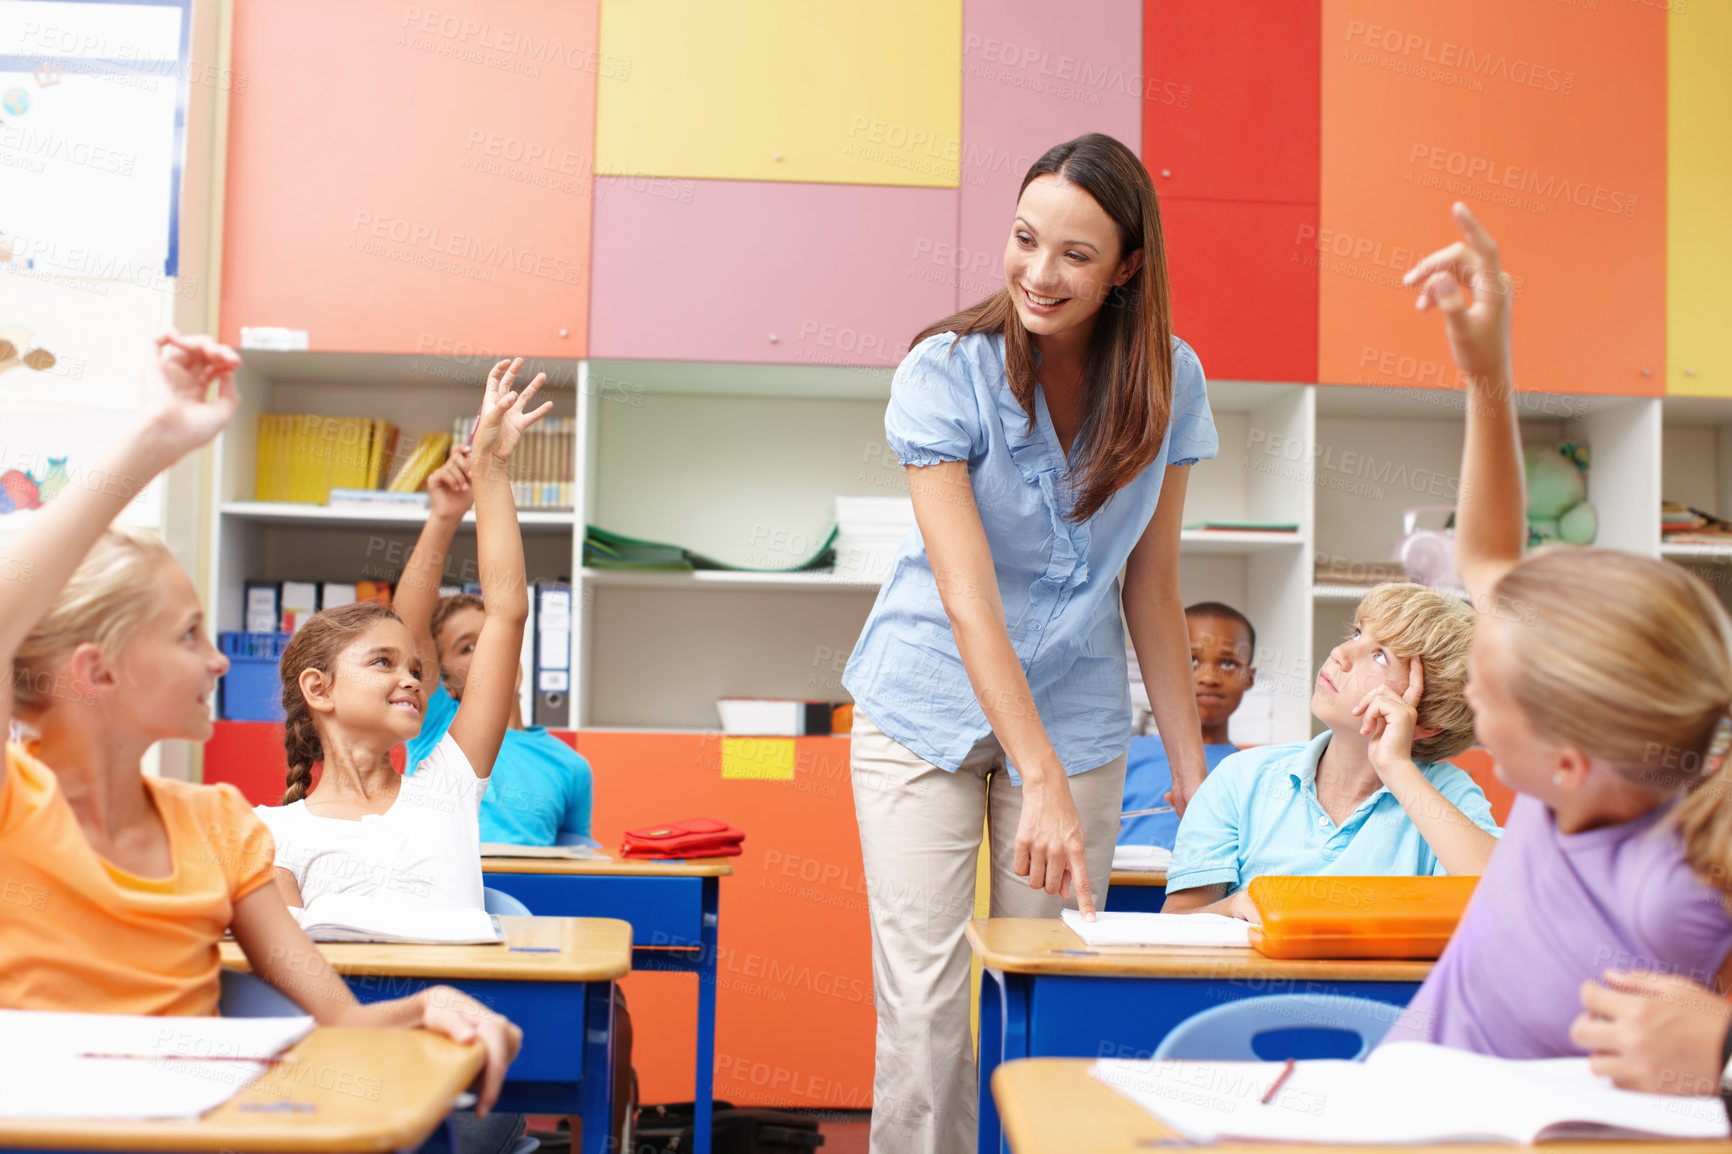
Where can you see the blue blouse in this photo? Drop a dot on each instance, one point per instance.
(1058, 579)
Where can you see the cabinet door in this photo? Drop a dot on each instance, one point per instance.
(1230, 98)
(864, 93)
(1244, 285)
(1035, 74)
(713, 270)
(404, 180)
(1549, 120)
(1698, 194)
(794, 1018)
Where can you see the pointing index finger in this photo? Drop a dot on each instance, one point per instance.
(1415, 682)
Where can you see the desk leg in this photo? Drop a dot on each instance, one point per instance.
(1003, 1037)
(704, 1090)
(596, 1092)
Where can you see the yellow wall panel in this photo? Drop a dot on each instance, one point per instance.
(1699, 201)
(789, 90)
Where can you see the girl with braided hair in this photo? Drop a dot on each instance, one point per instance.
(355, 686)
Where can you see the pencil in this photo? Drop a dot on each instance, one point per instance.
(1275, 1087)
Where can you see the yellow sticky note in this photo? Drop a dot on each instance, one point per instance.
(757, 759)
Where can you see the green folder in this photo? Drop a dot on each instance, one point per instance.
(604, 549)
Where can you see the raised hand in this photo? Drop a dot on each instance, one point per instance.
(177, 394)
(503, 416)
(1390, 721)
(1478, 328)
(448, 490)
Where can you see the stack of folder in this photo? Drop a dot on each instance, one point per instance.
(302, 457)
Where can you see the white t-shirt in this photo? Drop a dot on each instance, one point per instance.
(425, 850)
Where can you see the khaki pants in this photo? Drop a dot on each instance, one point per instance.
(920, 836)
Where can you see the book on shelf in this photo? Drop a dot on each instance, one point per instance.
(377, 499)
(428, 454)
(543, 470)
(301, 457)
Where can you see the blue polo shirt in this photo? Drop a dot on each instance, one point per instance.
(540, 786)
(1258, 814)
(1058, 579)
(1148, 777)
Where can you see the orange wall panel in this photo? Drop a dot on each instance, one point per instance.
(794, 1015)
(1549, 120)
(407, 180)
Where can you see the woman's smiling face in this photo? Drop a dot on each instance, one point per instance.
(1063, 257)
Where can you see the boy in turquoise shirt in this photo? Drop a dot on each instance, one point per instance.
(1222, 641)
(1371, 795)
(541, 787)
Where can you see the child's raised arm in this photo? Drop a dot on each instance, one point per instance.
(491, 687)
(448, 499)
(1490, 516)
(178, 415)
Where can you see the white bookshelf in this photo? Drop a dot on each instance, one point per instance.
(743, 462)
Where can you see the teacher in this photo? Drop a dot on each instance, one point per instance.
(1046, 432)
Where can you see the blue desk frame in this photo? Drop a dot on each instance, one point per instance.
(566, 1064)
(674, 922)
(1097, 1015)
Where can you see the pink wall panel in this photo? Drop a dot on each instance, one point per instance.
(1035, 75)
(768, 272)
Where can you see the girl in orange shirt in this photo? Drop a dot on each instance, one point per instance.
(116, 887)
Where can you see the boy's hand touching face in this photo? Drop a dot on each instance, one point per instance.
(503, 416)
(448, 491)
(1391, 721)
(1478, 329)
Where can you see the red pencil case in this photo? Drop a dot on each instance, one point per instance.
(694, 837)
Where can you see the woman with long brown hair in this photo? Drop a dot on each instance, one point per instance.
(1046, 432)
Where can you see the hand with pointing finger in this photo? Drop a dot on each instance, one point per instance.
(1478, 326)
(1391, 722)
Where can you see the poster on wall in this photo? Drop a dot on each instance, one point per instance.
(92, 130)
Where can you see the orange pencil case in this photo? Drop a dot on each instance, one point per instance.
(1320, 916)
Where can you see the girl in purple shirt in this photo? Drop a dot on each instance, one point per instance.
(1601, 683)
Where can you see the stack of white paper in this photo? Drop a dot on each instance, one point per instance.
(1133, 929)
(123, 1066)
(1150, 858)
(1395, 1096)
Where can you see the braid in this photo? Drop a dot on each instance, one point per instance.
(301, 743)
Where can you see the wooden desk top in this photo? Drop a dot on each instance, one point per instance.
(1053, 1106)
(1139, 877)
(703, 867)
(589, 950)
(372, 1090)
(1027, 945)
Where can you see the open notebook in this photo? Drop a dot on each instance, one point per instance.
(1396, 1096)
(341, 918)
(1125, 930)
(147, 1068)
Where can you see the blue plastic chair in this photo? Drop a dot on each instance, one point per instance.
(503, 904)
(1227, 1033)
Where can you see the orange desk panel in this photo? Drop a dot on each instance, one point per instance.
(412, 180)
(1549, 120)
(794, 1014)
